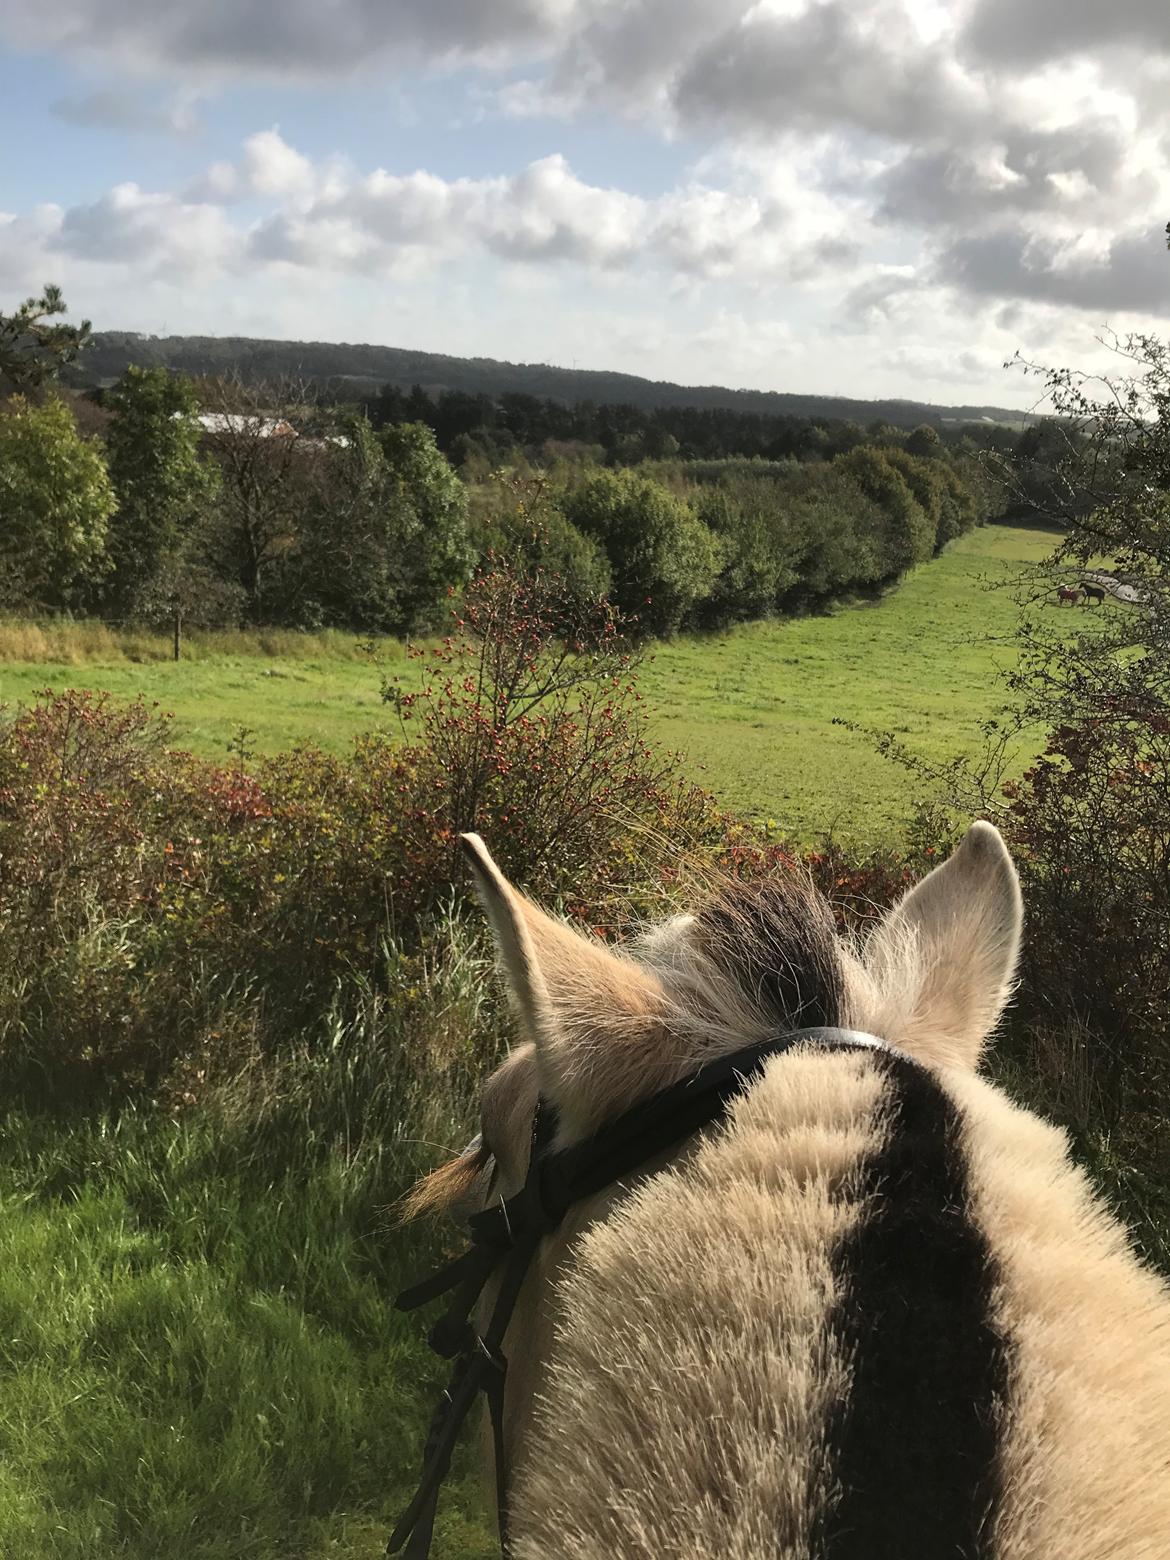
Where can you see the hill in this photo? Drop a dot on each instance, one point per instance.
(357, 370)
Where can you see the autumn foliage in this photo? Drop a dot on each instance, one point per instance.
(154, 907)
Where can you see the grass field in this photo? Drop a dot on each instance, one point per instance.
(754, 708)
(751, 709)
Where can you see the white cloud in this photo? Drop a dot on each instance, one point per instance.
(329, 215)
(328, 218)
(272, 167)
(879, 169)
(149, 232)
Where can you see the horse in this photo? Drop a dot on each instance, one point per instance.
(874, 1312)
(1094, 593)
(1069, 593)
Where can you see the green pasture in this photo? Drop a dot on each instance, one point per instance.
(752, 710)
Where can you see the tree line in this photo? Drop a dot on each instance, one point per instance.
(479, 430)
(265, 511)
(345, 371)
(221, 500)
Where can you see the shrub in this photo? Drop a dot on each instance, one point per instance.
(664, 559)
(162, 917)
(531, 729)
(83, 787)
(1089, 821)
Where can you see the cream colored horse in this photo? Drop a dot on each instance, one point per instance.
(876, 1314)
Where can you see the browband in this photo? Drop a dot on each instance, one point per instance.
(508, 1234)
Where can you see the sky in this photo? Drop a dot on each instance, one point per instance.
(854, 197)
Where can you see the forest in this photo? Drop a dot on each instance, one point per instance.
(352, 371)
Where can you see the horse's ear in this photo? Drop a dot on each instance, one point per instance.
(595, 1017)
(945, 957)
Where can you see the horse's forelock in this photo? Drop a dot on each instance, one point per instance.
(776, 942)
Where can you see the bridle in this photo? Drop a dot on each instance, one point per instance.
(507, 1235)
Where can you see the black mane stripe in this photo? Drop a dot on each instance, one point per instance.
(914, 1445)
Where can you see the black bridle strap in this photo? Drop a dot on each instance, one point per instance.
(510, 1233)
(479, 1367)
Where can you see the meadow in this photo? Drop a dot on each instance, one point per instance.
(751, 710)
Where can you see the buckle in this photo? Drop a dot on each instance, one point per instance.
(485, 1355)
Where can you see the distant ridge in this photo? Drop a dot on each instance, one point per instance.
(361, 370)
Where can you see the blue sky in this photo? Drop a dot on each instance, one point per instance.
(851, 196)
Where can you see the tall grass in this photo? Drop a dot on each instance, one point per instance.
(198, 1351)
(87, 641)
(1052, 1066)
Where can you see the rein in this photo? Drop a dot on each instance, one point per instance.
(507, 1235)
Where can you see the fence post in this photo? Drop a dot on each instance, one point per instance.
(178, 632)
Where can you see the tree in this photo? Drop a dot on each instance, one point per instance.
(518, 525)
(427, 517)
(838, 532)
(984, 477)
(55, 503)
(664, 559)
(1045, 453)
(346, 568)
(1089, 818)
(759, 550)
(924, 441)
(1109, 490)
(31, 350)
(924, 478)
(161, 481)
(382, 532)
(909, 533)
(265, 468)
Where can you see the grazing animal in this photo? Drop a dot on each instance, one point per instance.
(874, 1312)
(1093, 592)
(1068, 593)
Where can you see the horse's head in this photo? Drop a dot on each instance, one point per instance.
(605, 1029)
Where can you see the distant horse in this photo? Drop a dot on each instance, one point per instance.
(1093, 592)
(1068, 593)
